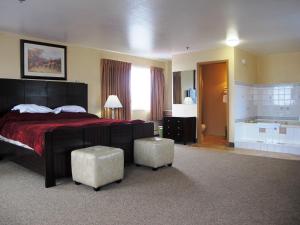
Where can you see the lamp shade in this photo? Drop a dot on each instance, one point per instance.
(113, 102)
(188, 101)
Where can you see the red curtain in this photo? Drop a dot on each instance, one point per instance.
(157, 93)
(115, 80)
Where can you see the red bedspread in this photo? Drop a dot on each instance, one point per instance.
(30, 129)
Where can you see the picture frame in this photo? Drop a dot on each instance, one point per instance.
(41, 60)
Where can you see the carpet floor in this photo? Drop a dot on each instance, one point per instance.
(202, 187)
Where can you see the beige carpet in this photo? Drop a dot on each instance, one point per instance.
(203, 187)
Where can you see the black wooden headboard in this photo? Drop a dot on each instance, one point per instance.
(47, 93)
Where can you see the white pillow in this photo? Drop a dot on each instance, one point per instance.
(32, 108)
(69, 108)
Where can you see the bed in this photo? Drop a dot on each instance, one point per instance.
(54, 160)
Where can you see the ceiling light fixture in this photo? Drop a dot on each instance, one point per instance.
(232, 42)
(21, 1)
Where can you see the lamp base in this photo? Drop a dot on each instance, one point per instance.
(113, 113)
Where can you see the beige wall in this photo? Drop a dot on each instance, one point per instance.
(279, 68)
(267, 69)
(83, 66)
(189, 61)
(245, 72)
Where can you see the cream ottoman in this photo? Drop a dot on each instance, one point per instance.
(153, 152)
(98, 165)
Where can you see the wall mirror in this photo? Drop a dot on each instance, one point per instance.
(184, 87)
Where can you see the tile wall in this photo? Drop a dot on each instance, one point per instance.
(244, 106)
(280, 101)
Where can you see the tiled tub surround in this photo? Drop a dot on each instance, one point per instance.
(267, 117)
(244, 105)
(278, 102)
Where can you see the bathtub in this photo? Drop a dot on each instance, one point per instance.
(269, 135)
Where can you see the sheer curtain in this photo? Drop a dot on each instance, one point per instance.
(157, 93)
(115, 80)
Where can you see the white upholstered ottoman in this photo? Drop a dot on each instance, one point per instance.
(154, 152)
(98, 165)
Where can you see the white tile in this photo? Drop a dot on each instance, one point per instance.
(282, 148)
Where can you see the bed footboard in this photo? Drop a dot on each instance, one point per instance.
(143, 130)
(50, 178)
(56, 160)
(123, 135)
(61, 142)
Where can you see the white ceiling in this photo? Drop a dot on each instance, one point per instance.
(157, 28)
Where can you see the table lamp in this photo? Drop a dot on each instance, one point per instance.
(188, 101)
(113, 102)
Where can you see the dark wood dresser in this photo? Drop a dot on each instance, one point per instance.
(180, 129)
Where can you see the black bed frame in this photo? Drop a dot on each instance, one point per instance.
(56, 160)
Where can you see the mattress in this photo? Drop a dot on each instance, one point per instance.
(30, 128)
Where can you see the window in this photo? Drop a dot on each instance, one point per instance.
(140, 88)
(283, 96)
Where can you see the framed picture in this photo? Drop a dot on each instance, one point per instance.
(43, 61)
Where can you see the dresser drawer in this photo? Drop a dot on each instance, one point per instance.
(168, 133)
(178, 134)
(180, 129)
(177, 127)
(178, 121)
(173, 122)
(168, 126)
(168, 121)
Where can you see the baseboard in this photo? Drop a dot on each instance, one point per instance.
(231, 144)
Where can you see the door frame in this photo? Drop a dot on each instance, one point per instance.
(200, 97)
